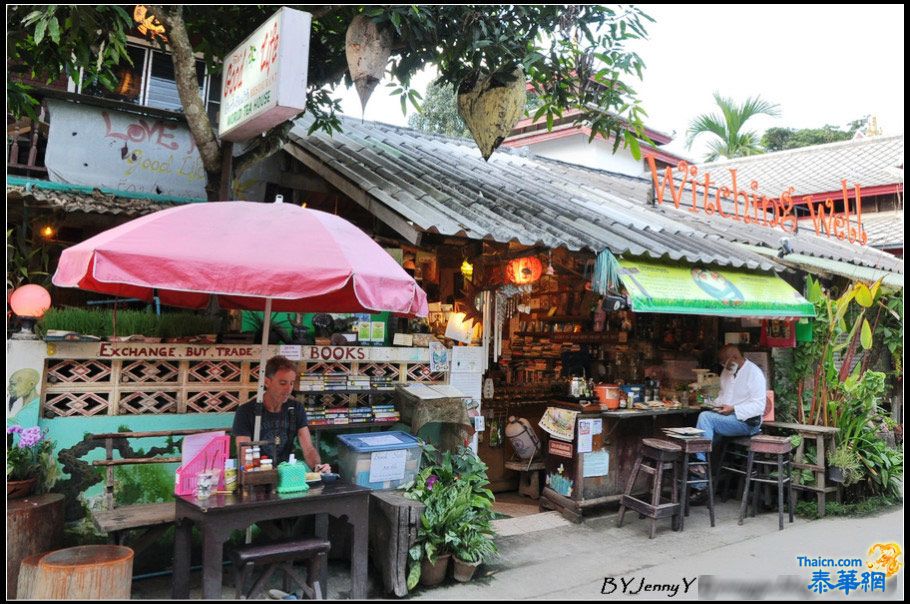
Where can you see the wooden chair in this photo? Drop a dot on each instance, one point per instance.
(664, 456)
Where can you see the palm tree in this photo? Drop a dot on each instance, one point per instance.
(730, 142)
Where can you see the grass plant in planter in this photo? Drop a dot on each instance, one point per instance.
(844, 466)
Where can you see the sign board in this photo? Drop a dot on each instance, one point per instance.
(265, 76)
(95, 147)
(388, 465)
(560, 448)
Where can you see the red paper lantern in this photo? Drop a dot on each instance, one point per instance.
(522, 271)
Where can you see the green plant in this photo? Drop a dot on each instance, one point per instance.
(458, 512)
(30, 454)
(133, 322)
(26, 262)
(847, 460)
(184, 324)
(858, 418)
(79, 320)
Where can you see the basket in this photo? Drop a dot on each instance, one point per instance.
(211, 457)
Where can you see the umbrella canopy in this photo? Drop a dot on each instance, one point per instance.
(244, 253)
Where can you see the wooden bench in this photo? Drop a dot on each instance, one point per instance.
(824, 444)
(153, 519)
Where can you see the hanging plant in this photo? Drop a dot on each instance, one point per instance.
(490, 109)
(522, 271)
(367, 47)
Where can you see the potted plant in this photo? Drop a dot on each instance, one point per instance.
(844, 466)
(29, 461)
(475, 544)
(453, 487)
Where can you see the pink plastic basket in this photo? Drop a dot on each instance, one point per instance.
(212, 457)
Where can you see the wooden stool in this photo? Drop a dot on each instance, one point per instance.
(280, 556)
(529, 481)
(766, 453)
(690, 446)
(87, 572)
(731, 464)
(665, 456)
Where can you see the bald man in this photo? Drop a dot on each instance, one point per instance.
(23, 389)
(740, 405)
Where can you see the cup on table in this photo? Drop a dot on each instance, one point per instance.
(206, 483)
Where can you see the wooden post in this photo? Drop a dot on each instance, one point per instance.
(88, 572)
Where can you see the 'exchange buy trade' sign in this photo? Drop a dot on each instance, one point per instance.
(750, 207)
(264, 81)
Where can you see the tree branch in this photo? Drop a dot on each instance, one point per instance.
(266, 146)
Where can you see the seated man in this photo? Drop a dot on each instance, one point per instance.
(280, 381)
(741, 404)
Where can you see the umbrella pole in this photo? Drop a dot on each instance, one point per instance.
(260, 392)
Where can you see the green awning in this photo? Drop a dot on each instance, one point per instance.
(692, 290)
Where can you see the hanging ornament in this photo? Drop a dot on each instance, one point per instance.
(367, 48)
(523, 271)
(467, 269)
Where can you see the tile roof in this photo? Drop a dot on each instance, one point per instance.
(869, 162)
(442, 185)
(95, 202)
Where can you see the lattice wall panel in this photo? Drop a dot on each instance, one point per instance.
(214, 402)
(149, 372)
(420, 372)
(68, 404)
(145, 403)
(72, 371)
(218, 372)
(323, 368)
(380, 370)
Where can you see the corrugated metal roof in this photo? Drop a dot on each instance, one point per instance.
(885, 229)
(443, 185)
(804, 241)
(836, 267)
(868, 162)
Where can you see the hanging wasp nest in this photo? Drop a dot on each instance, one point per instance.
(490, 110)
(367, 48)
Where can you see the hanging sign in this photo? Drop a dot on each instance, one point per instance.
(750, 207)
(265, 77)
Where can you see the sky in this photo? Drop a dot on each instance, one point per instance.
(825, 64)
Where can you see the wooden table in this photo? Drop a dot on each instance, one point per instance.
(219, 515)
(620, 438)
(824, 444)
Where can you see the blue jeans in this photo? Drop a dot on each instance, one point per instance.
(716, 425)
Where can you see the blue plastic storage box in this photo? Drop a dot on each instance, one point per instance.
(379, 460)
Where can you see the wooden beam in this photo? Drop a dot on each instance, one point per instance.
(303, 182)
(402, 226)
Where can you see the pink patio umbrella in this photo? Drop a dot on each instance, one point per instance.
(254, 256)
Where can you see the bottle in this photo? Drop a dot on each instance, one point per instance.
(248, 461)
(256, 457)
(265, 463)
(230, 475)
(292, 459)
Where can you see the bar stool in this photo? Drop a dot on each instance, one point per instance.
(664, 456)
(280, 556)
(731, 464)
(689, 447)
(765, 454)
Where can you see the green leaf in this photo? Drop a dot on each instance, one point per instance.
(413, 576)
(39, 31)
(863, 295)
(866, 335)
(53, 27)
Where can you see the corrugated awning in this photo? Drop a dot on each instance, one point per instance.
(814, 265)
(694, 290)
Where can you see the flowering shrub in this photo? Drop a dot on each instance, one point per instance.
(30, 454)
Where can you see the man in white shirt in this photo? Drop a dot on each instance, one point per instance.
(740, 406)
